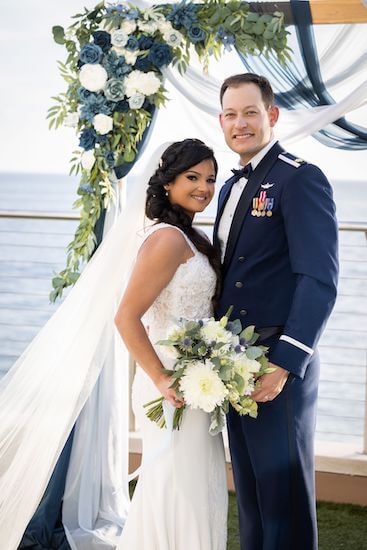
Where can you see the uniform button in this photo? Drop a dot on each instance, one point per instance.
(241, 259)
(238, 284)
(243, 312)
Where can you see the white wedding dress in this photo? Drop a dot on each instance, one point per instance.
(180, 501)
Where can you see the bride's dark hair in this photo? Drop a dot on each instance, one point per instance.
(176, 159)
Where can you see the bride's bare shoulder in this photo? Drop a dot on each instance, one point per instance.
(166, 241)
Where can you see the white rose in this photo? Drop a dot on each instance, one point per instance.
(173, 38)
(119, 38)
(214, 332)
(88, 159)
(147, 26)
(71, 120)
(130, 57)
(93, 77)
(136, 101)
(103, 124)
(164, 26)
(128, 26)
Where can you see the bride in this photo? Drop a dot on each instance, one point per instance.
(180, 501)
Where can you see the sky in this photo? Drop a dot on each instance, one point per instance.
(30, 77)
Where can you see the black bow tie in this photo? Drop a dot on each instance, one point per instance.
(244, 172)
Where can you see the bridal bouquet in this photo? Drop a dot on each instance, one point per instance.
(216, 365)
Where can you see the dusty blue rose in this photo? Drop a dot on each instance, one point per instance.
(114, 90)
(143, 64)
(103, 40)
(196, 34)
(91, 53)
(88, 138)
(160, 55)
(132, 44)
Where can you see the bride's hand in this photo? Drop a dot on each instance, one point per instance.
(163, 384)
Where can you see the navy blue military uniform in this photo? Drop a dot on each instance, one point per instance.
(280, 273)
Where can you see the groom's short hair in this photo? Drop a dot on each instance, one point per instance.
(237, 80)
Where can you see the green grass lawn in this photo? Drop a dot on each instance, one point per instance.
(341, 526)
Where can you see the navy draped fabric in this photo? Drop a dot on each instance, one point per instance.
(300, 83)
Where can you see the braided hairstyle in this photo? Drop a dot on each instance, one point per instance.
(176, 159)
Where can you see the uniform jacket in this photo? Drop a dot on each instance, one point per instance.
(281, 261)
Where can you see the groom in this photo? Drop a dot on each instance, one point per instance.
(277, 233)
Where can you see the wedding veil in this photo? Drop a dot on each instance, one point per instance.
(44, 392)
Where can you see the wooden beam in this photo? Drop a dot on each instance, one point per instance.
(324, 12)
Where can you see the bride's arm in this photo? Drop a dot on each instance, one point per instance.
(157, 262)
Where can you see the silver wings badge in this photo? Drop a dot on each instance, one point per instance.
(267, 185)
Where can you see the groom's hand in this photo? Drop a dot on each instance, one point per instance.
(270, 385)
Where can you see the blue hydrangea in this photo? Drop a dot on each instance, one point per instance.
(86, 188)
(110, 159)
(196, 34)
(103, 40)
(102, 139)
(145, 42)
(160, 55)
(115, 65)
(227, 38)
(87, 138)
(94, 105)
(132, 44)
(183, 15)
(91, 53)
(84, 94)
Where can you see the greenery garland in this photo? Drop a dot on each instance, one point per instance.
(116, 55)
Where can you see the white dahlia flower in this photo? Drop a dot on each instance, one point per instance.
(139, 82)
(214, 332)
(202, 387)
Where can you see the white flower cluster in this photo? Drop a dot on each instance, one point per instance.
(201, 386)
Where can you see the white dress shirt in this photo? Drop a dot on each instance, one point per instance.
(231, 204)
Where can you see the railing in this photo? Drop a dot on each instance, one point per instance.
(18, 296)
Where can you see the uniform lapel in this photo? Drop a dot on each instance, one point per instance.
(251, 188)
(222, 200)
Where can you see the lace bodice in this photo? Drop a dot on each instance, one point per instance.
(188, 294)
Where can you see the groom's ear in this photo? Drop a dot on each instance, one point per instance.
(273, 115)
(221, 120)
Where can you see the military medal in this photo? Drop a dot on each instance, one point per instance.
(262, 206)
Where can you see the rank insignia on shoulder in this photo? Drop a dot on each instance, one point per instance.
(293, 162)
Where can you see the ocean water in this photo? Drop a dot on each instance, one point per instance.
(31, 251)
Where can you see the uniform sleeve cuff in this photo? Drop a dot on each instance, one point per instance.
(290, 357)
